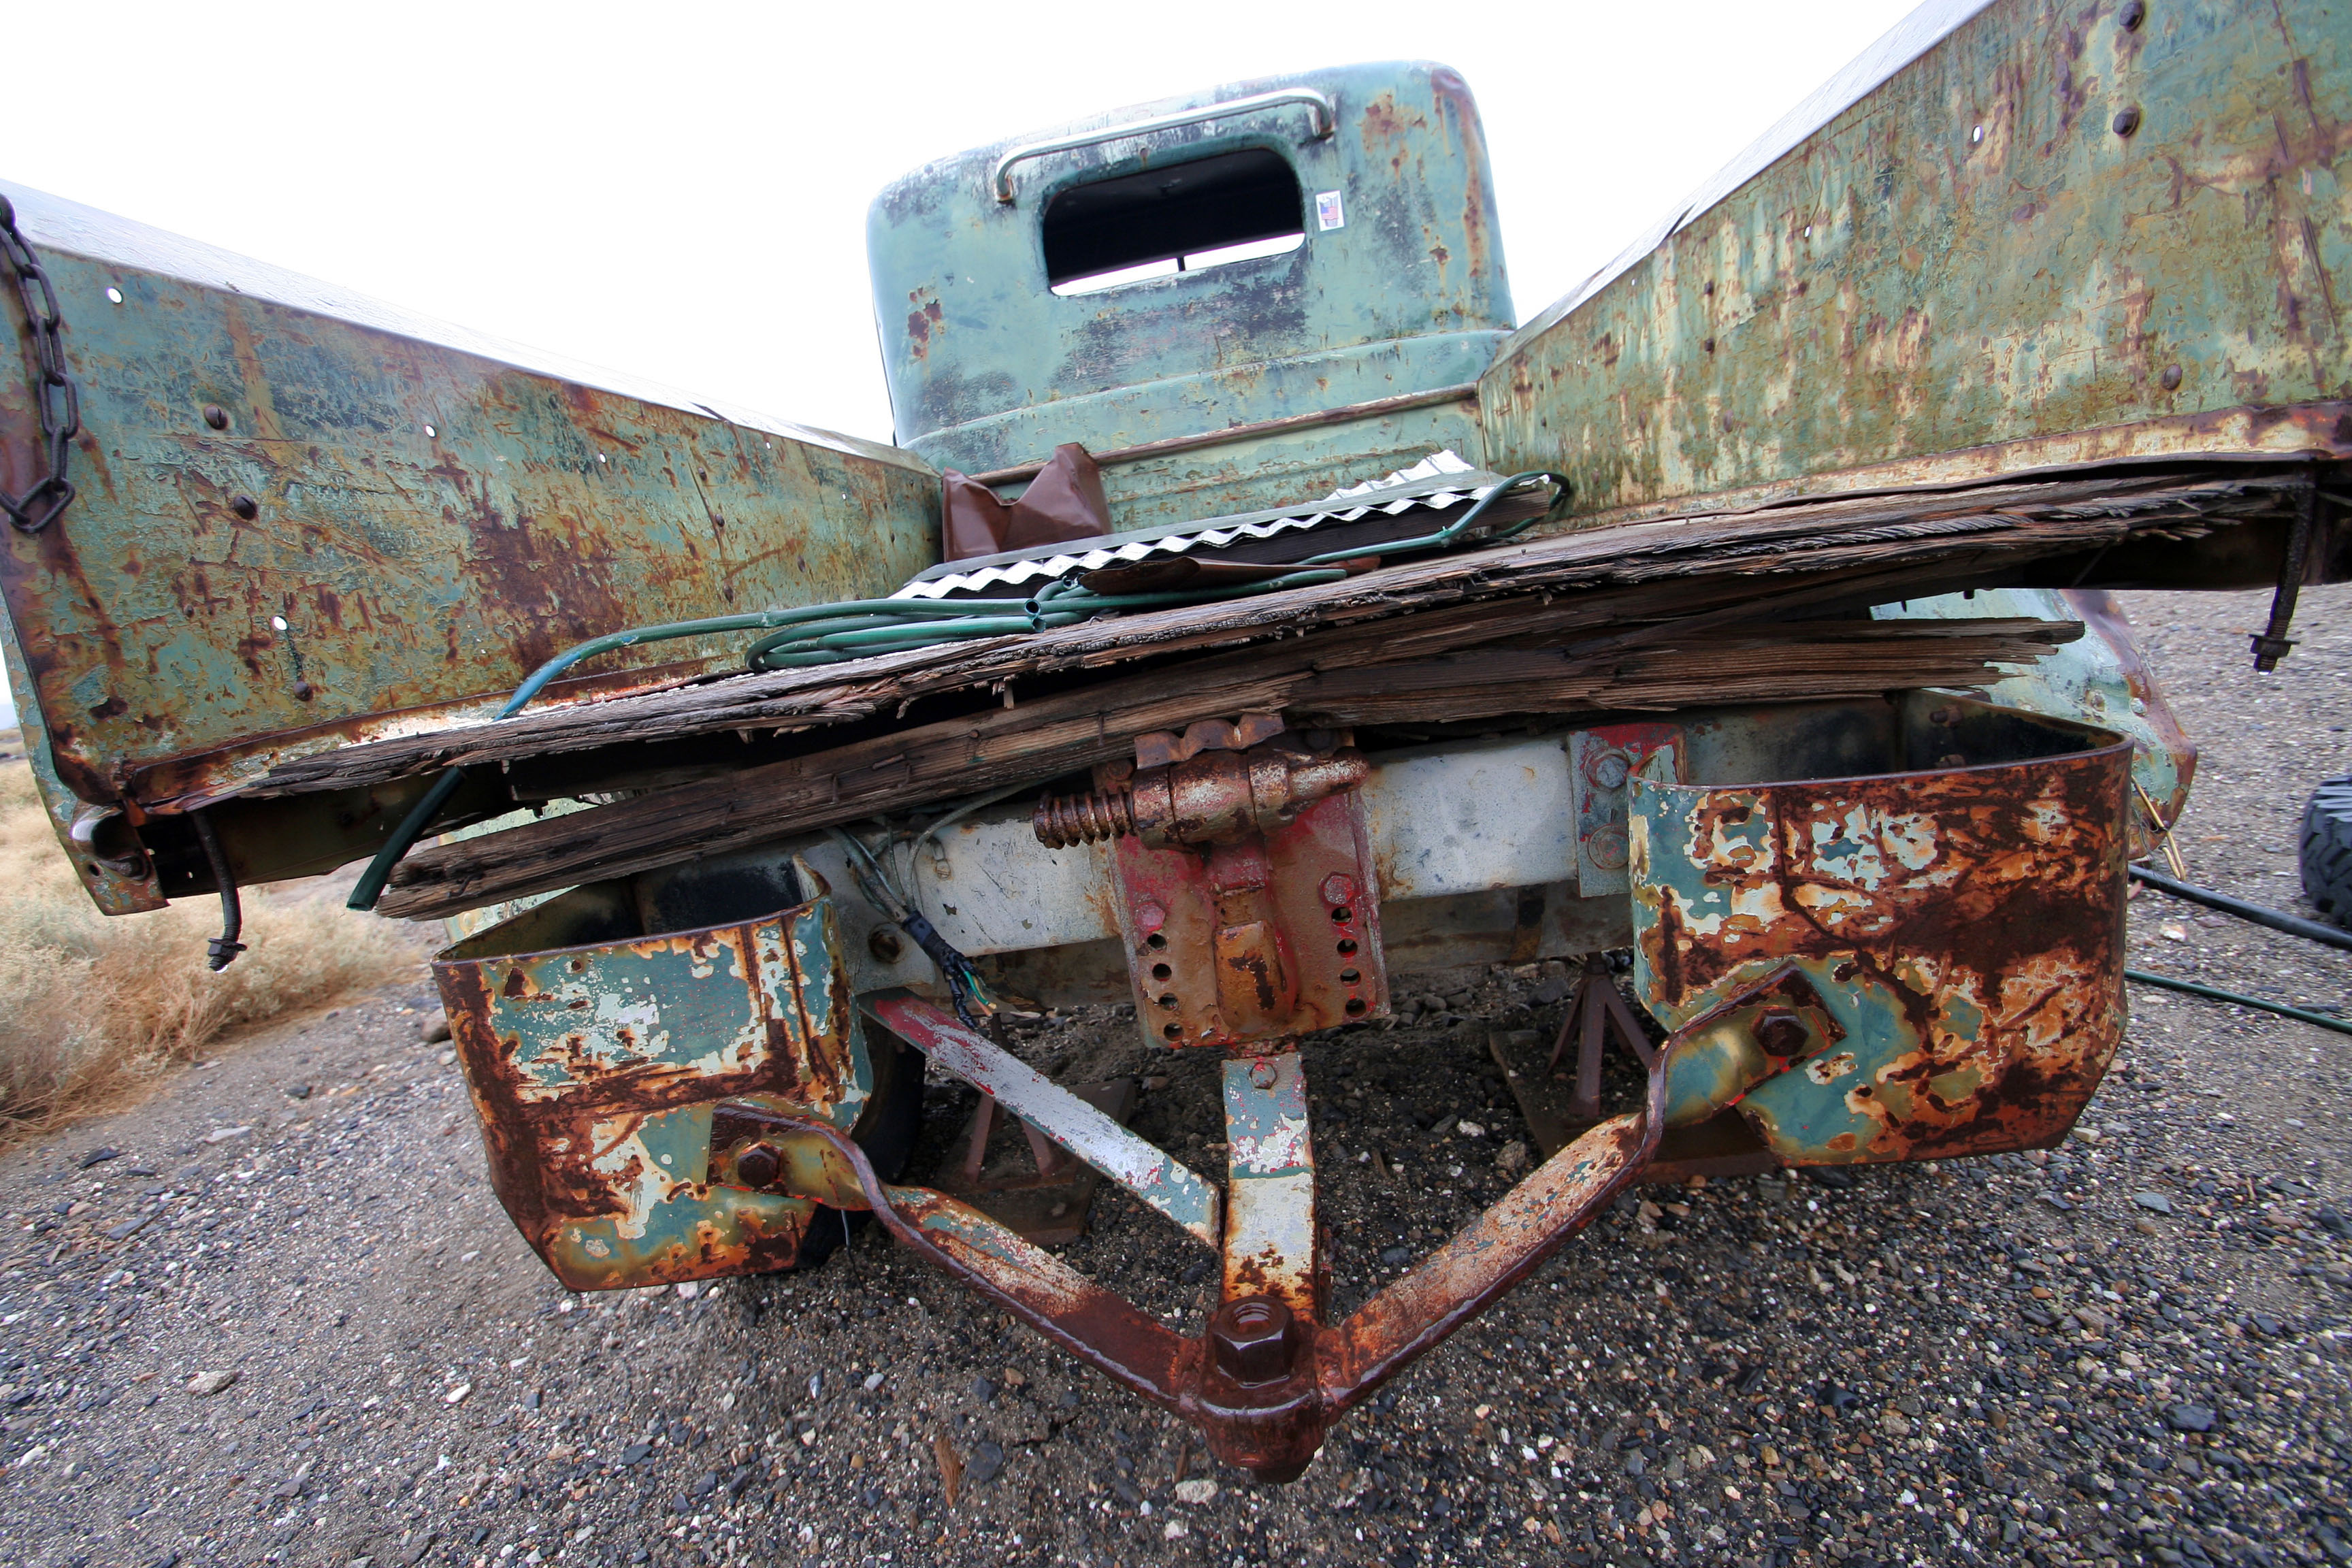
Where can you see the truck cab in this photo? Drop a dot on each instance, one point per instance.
(1239, 298)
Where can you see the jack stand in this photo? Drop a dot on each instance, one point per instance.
(1594, 1011)
(1051, 1205)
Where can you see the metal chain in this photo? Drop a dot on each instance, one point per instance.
(61, 403)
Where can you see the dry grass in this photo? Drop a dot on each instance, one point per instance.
(92, 1007)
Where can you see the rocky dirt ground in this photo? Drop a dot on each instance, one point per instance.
(274, 1315)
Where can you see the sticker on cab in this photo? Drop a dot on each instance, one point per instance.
(1329, 214)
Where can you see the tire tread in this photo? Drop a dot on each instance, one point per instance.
(2327, 850)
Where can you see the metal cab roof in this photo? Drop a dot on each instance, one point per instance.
(1404, 292)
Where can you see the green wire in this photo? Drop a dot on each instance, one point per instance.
(1453, 531)
(2215, 994)
(861, 628)
(1057, 604)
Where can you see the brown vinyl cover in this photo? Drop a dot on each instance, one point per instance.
(1064, 501)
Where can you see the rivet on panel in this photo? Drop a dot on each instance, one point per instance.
(2132, 15)
(2170, 379)
(244, 507)
(216, 416)
(2127, 120)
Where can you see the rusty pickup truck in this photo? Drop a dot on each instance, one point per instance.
(1249, 608)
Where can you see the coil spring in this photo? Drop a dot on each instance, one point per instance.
(1083, 819)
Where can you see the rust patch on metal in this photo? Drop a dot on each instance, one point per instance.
(597, 1073)
(1278, 935)
(1966, 925)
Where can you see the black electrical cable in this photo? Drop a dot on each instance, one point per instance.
(955, 969)
(2260, 914)
(221, 951)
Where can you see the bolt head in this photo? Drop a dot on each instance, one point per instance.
(885, 944)
(244, 507)
(2132, 15)
(2126, 121)
(1339, 887)
(2170, 379)
(1780, 1031)
(1254, 1340)
(758, 1166)
(216, 416)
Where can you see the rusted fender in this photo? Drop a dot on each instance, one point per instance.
(1948, 943)
(596, 1071)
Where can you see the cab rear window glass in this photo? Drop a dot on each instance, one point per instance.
(1179, 218)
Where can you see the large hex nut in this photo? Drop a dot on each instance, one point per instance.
(1254, 1340)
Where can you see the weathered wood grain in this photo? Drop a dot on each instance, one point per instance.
(1914, 543)
(1790, 662)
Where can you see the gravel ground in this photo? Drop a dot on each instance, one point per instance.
(286, 1322)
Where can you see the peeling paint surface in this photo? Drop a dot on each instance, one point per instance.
(596, 1071)
(1152, 1174)
(1270, 1210)
(1960, 929)
(1970, 271)
(385, 531)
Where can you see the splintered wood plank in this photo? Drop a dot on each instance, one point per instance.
(1837, 554)
(998, 746)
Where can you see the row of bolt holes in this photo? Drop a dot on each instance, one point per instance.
(1161, 974)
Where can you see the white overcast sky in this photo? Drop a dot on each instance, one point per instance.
(679, 191)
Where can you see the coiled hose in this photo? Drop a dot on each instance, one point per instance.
(867, 629)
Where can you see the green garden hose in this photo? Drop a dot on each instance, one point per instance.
(866, 628)
(2215, 994)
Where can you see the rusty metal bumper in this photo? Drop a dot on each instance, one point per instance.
(1902, 964)
(621, 1082)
